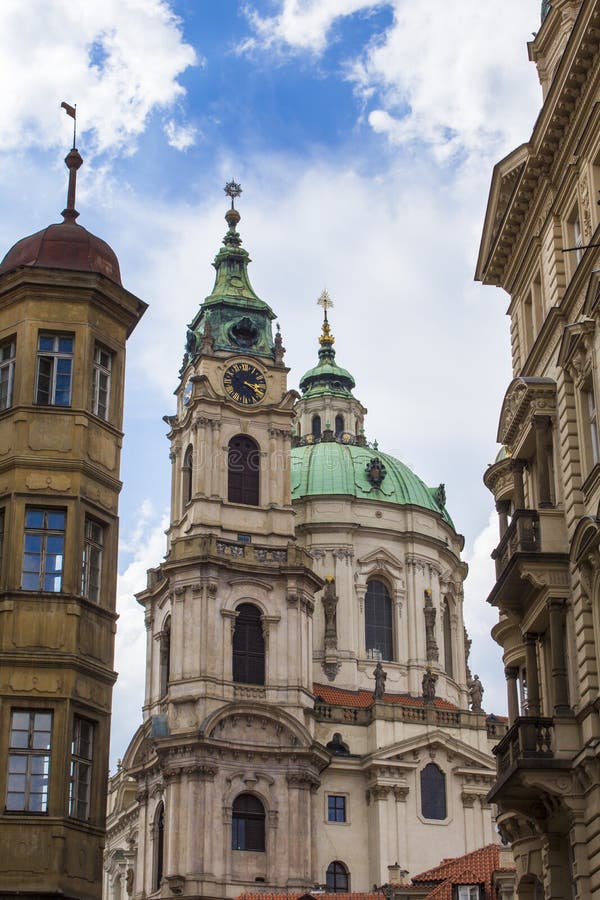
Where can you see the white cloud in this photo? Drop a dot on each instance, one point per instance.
(301, 24)
(181, 137)
(119, 60)
(436, 76)
(146, 545)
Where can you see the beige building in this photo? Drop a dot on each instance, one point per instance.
(64, 320)
(540, 243)
(309, 717)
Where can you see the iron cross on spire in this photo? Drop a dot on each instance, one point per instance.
(326, 302)
(233, 190)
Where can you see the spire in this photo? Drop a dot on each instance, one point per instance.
(73, 161)
(327, 376)
(327, 339)
(232, 216)
(237, 319)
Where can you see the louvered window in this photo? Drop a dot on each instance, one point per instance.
(248, 823)
(378, 621)
(447, 625)
(248, 646)
(243, 467)
(433, 792)
(159, 845)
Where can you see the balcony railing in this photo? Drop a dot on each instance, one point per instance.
(530, 737)
(521, 536)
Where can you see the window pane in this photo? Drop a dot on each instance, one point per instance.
(65, 344)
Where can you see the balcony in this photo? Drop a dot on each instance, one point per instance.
(533, 549)
(521, 536)
(530, 737)
(529, 758)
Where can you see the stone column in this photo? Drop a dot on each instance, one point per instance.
(502, 508)
(511, 673)
(468, 802)
(557, 608)
(517, 466)
(380, 856)
(543, 424)
(533, 684)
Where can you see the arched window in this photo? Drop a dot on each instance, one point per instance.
(243, 468)
(165, 656)
(378, 621)
(447, 626)
(248, 646)
(433, 792)
(339, 425)
(159, 845)
(188, 464)
(337, 878)
(248, 823)
(316, 427)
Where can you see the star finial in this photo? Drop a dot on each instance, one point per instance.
(233, 190)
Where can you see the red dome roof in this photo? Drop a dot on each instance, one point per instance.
(65, 245)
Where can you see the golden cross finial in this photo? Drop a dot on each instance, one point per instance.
(325, 301)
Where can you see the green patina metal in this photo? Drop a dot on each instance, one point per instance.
(342, 469)
(326, 377)
(545, 8)
(232, 317)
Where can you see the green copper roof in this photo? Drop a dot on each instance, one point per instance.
(545, 8)
(232, 317)
(330, 467)
(326, 377)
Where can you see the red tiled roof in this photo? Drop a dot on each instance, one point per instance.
(318, 895)
(473, 868)
(364, 699)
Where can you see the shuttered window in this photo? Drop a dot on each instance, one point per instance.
(248, 823)
(378, 621)
(248, 646)
(433, 792)
(243, 468)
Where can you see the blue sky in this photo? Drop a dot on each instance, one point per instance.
(364, 135)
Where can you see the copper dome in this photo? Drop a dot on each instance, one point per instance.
(64, 245)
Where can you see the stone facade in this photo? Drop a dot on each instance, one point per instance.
(329, 741)
(540, 243)
(63, 326)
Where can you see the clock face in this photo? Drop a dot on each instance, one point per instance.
(244, 383)
(187, 393)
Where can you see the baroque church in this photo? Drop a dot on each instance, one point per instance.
(310, 718)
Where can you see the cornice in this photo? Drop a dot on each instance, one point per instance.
(551, 135)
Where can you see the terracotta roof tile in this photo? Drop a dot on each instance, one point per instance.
(473, 868)
(318, 895)
(364, 699)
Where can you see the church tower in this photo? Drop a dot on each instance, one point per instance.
(64, 320)
(226, 750)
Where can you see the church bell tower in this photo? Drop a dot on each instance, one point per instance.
(227, 745)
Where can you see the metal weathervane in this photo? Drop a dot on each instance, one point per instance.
(233, 190)
(72, 112)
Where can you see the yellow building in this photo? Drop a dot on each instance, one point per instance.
(540, 244)
(64, 320)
